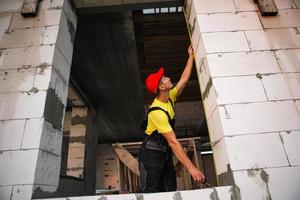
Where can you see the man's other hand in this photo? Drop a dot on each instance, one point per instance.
(197, 175)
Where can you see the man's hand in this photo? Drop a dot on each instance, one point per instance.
(197, 175)
(190, 50)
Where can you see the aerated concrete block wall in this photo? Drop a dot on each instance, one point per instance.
(35, 60)
(249, 71)
(76, 152)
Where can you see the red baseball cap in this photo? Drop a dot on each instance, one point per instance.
(152, 80)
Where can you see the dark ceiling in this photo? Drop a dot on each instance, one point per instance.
(162, 40)
(113, 53)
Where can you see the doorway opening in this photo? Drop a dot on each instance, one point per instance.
(113, 53)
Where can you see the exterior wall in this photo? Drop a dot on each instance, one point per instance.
(35, 60)
(224, 193)
(248, 66)
(107, 170)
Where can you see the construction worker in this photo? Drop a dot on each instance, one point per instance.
(157, 173)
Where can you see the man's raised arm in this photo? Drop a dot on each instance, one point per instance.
(186, 72)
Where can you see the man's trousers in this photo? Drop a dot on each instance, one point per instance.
(157, 173)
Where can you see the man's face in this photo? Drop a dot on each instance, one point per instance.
(166, 82)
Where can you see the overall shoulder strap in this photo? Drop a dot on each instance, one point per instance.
(159, 108)
(172, 104)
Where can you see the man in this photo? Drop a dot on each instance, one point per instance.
(156, 164)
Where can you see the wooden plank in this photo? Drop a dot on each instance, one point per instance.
(30, 8)
(126, 189)
(267, 7)
(127, 158)
(130, 186)
(195, 154)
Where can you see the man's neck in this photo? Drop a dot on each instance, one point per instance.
(163, 96)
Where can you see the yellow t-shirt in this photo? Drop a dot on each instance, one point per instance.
(157, 119)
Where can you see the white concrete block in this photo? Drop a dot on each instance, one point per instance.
(228, 22)
(289, 60)
(76, 162)
(207, 90)
(259, 117)
(191, 14)
(22, 105)
(77, 131)
(60, 86)
(256, 151)
(293, 81)
(252, 184)
(75, 173)
(224, 193)
(5, 19)
(22, 192)
(238, 64)
(44, 5)
(44, 188)
(204, 76)
(61, 64)
(225, 42)
(284, 18)
(50, 36)
(79, 111)
(285, 4)
(11, 133)
(200, 53)
(221, 158)
(195, 35)
(75, 167)
(76, 153)
(11, 5)
(214, 6)
(41, 134)
(56, 4)
(64, 38)
(291, 142)
(43, 77)
(210, 103)
(272, 39)
(26, 57)
(76, 144)
(69, 10)
(245, 5)
(5, 192)
(298, 106)
(33, 133)
(44, 18)
(16, 80)
(18, 167)
(297, 2)
(47, 170)
(67, 121)
(276, 87)
(284, 183)
(22, 38)
(239, 90)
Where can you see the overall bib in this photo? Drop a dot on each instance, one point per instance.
(157, 173)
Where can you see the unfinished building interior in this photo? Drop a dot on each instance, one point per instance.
(107, 100)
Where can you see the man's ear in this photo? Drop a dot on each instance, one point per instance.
(161, 86)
